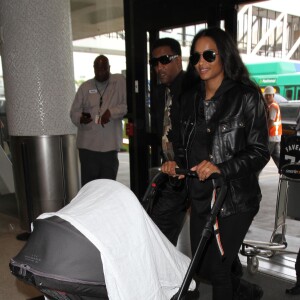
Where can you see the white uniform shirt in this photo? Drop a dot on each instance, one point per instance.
(93, 136)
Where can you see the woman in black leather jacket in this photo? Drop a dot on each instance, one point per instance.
(224, 130)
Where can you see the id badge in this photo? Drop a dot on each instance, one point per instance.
(97, 119)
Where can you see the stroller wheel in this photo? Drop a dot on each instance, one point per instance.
(252, 264)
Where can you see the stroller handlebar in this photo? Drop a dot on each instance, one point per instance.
(218, 179)
(186, 172)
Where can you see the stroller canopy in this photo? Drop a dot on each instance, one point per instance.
(138, 260)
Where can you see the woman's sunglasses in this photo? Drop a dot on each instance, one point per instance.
(208, 55)
(164, 60)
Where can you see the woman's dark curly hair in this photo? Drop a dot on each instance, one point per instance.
(233, 65)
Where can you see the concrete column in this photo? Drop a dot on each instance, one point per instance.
(37, 59)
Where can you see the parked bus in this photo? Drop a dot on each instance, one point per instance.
(283, 76)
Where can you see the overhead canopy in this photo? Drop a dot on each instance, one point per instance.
(95, 17)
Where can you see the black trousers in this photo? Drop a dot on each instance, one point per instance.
(213, 267)
(170, 208)
(98, 165)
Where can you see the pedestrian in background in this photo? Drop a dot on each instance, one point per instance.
(97, 111)
(274, 124)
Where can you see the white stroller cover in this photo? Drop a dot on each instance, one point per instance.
(138, 260)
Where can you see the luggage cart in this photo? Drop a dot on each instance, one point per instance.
(289, 170)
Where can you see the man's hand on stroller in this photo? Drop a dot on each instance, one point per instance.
(169, 168)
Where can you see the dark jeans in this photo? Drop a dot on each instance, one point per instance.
(98, 165)
(213, 267)
(169, 209)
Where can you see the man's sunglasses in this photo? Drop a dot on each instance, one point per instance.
(208, 55)
(164, 60)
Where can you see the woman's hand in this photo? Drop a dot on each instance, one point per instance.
(205, 169)
(169, 168)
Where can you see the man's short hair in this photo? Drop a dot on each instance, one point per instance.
(168, 42)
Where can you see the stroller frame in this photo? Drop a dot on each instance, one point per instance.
(289, 172)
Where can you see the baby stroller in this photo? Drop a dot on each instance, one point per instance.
(289, 170)
(70, 251)
(64, 264)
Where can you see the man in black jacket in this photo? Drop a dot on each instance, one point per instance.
(170, 205)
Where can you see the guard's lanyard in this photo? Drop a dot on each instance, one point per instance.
(101, 95)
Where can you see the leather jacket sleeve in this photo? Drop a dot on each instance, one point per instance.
(240, 144)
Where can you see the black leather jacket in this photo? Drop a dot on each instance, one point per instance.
(237, 137)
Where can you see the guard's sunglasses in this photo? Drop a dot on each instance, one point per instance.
(164, 60)
(208, 55)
